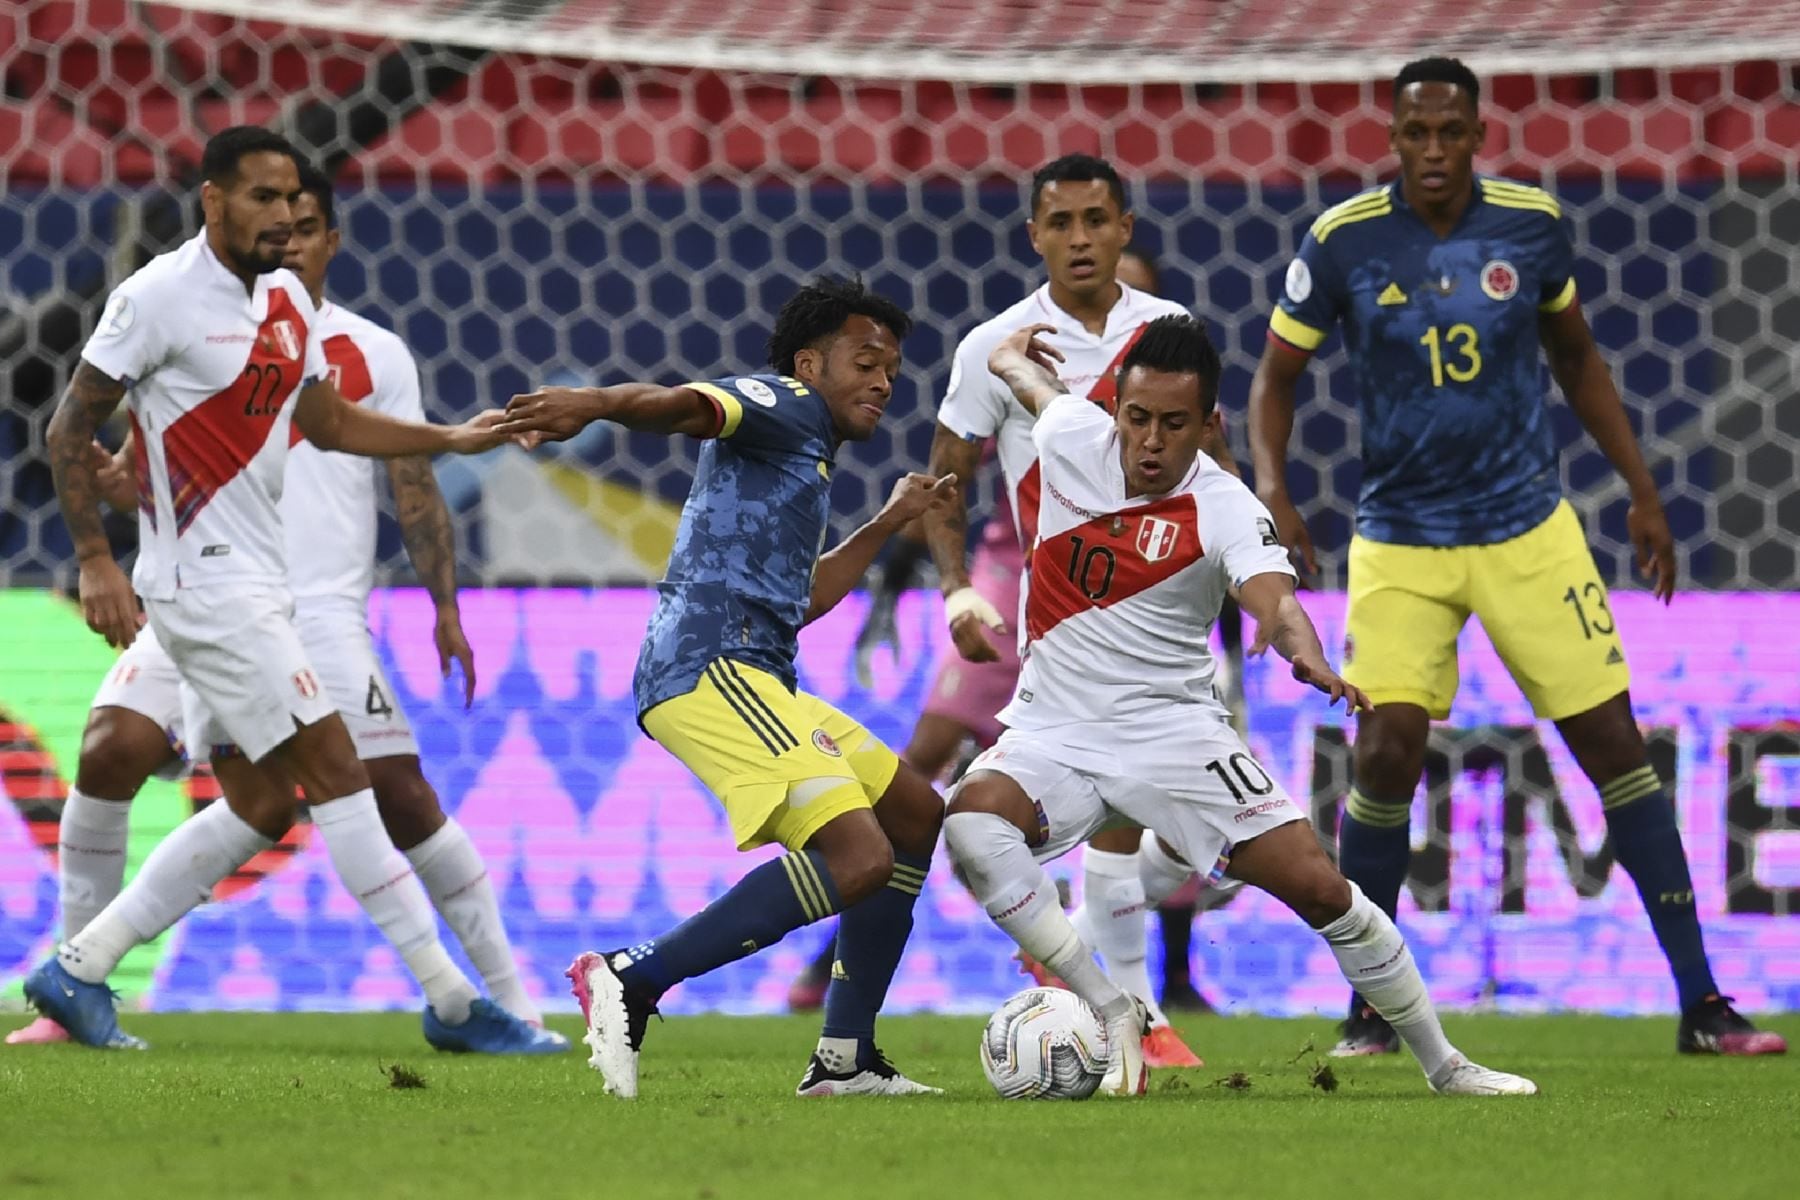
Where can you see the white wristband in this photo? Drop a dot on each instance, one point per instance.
(965, 601)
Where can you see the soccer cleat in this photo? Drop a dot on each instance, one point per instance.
(85, 1010)
(1714, 1027)
(877, 1078)
(41, 1032)
(1366, 1032)
(1163, 1048)
(1460, 1077)
(1127, 1074)
(490, 1029)
(616, 1017)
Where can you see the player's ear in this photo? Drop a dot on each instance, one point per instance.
(1031, 232)
(809, 364)
(1127, 222)
(212, 201)
(333, 239)
(1480, 134)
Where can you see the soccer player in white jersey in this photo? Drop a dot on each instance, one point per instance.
(1139, 538)
(218, 352)
(328, 512)
(1080, 224)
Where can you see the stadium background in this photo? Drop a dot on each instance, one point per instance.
(547, 191)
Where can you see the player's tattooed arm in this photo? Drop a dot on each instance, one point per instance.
(1023, 363)
(838, 571)
(107, 601)
(1282, 623)
(947, 530)
(1584, 378)
(430, 539)
(555, 414)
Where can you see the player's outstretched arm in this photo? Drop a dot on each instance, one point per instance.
(1581, 373)
(947, 534)
(431, 545)
(840, 568)
(1022, 363)
(1271, 427)
(555, 414)
(332, 423)
(107, 602)
(1283, 624)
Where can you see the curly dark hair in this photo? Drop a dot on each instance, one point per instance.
(814, 314)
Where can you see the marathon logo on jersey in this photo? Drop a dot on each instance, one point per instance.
(306, 683)
(1499, 280)
(824, 744)
(1156, 538)
(216, 551)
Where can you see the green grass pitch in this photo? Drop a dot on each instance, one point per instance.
(305, 1105)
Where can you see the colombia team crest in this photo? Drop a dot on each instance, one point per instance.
(1499, 280)
(825, 745)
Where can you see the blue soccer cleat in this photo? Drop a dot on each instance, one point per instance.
(490, 1029)
(84, 1009)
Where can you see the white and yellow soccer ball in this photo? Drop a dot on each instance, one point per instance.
(1045, 1044)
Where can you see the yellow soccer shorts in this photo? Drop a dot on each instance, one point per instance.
(783, 764)
(1539, 597)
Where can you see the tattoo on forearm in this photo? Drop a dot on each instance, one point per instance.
(425, 526)
(947, 530)
(90, 399)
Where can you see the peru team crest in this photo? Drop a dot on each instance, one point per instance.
(1156, 538)
(1499, 280)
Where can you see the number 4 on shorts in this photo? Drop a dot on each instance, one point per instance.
(378, 704)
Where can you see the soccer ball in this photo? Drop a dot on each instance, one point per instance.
(1045, 1044)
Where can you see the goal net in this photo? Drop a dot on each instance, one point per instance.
(538, 191)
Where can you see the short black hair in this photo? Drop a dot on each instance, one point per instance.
(1077, 168)
(225, 149)
(315, 183)
(1149, 260)
(817, 311)
(1178, 344)
(1439, 70)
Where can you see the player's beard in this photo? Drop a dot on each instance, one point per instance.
(259, 257)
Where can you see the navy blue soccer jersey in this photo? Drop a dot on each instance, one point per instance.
(740, 576)
(1442, 333)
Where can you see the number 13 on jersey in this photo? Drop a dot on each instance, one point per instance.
(1464, 360)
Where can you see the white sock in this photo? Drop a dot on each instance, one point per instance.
(179, 875)
(90, 862)
(456, 879)
(1021, 899)
(1161, 873)
(1376, 962)
(1111, 919)
(383, 882)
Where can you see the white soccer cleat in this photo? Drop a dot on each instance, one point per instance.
(879, 1078)
(1126, 1073)
(1460, 1077)
(615, 1022)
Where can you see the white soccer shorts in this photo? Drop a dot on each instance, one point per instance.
(145, 681)
(1203, 796)
(246, 681)
(335, 632)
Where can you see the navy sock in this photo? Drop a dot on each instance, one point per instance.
(1375, 850)
(762, 908)
(1640, 820)
(871, 937)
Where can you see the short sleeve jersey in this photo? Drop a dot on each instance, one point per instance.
(1125, 590)
(978, 405)
(740, 575)
(328, 504)
(1442, 334)
(211, 371)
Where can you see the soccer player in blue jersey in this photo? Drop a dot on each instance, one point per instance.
(1445, 283)
(716, 682)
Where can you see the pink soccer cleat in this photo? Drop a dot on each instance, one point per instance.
(41, 1032)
